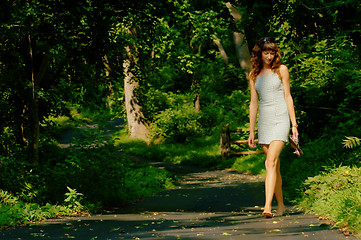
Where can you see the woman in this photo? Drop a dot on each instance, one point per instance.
(269, 82)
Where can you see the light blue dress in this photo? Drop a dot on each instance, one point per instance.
(273, 118)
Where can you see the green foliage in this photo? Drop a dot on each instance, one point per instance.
(351, 142)
(253, 164)
(335, 194)
(103, 174)
(199, 151)
(234, 110)
(318, 155)
(14, 212)
(77, 64)
(92, 166)
(73, 199)
(178, 124)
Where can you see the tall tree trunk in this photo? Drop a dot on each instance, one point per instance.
(136, 122)
(244, 56)
(33, 108)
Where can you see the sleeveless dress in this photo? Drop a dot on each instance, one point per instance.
(273, 118)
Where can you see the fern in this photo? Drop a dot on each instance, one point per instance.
(351, 142)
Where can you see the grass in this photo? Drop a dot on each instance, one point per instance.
(250, 163)
(201, 151)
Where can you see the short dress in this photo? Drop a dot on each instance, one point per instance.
(273, 118)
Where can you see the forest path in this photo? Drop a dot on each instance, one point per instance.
(205, 204)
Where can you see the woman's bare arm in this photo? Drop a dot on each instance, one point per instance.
(253, 108)
(288, 98)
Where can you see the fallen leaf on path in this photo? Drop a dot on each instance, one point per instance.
(226, 234)
(275, 231)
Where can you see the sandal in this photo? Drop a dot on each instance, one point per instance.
(295, 145)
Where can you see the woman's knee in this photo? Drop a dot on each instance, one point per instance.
(271, 163)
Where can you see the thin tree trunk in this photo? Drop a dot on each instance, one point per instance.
(196, 83)
(136, 122)
(110, 86)
(221, 50)
(244, 56)
(34, 114)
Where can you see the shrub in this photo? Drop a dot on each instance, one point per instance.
(14, 212)
(318, 155)
(177, 124)
(92, 165)
(335, 194)
(104, 175)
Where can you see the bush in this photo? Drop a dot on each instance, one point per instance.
(104, 175)
(14, 212)
(318, 155)
(92, 165)
(178, 124)
(335, 194)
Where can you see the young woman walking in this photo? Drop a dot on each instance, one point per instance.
(270, 93)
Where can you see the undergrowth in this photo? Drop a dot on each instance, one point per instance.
(335, 194)
(91, 173)
(198, 151)
(14, 211)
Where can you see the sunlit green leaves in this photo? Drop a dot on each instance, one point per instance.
(336, 194)
(351, 142)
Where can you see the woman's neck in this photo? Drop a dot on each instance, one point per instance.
(266, 66)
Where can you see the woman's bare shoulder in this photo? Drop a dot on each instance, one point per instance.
(283, 68)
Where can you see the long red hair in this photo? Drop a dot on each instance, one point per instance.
(264, 44)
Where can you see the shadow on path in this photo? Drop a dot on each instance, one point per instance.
(205, 204)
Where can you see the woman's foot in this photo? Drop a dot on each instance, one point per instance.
(267, 214)
(280, 211)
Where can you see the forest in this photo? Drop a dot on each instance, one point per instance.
(175, 72)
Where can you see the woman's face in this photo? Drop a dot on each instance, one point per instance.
(268, 56)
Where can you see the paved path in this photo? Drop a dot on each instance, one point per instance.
(220, 205)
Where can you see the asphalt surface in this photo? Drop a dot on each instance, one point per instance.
(204, 205)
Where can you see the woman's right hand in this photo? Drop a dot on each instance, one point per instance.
(251, 140)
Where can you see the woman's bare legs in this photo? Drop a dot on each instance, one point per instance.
(278, 192)
(273, 182)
